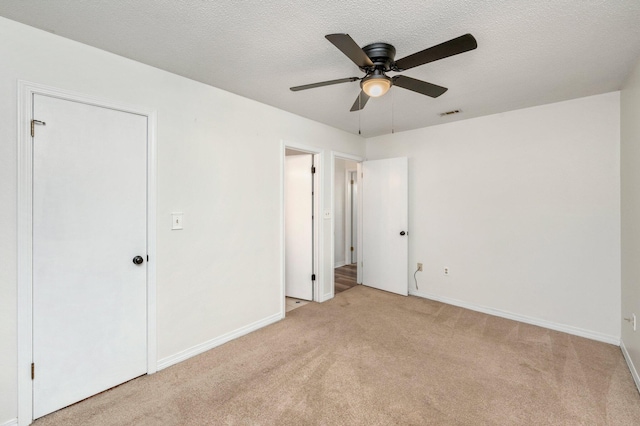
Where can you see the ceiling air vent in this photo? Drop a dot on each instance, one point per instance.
(454, 111)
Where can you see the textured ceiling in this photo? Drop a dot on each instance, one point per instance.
(529, 52)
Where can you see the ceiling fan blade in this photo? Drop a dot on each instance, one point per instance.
(360, 102)
(418, 86)
(444, 50)
(345, 43)
(324, 83)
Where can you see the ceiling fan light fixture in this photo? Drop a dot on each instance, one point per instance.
(376, 85)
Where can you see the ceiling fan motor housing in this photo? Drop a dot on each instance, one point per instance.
(381, 54)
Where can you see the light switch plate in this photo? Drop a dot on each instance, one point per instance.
(176, 220)
(327, 214)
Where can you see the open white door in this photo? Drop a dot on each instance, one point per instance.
(89, 251)
(298, 199)
(385, 196)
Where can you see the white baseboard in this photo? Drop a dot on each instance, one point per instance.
(12, 422)
(205, 346)
(593, 335)
(339, 264)
(632, 367)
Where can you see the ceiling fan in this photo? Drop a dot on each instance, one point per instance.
(376, 59)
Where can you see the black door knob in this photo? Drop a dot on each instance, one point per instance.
(138, 260)
(402, 232)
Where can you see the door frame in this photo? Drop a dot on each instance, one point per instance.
(26, 90)
(343, 156)
(318, 229)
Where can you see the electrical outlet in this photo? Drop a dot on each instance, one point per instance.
(419, 267)
(446, 271)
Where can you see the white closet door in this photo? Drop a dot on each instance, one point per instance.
(89, 222)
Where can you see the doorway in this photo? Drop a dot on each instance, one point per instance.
(351, 217)
(86, 241)
(300, 183)
(345, 212)
(346, 275)
(382, 221)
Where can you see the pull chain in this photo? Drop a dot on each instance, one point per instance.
(360, 113)
(393, 104)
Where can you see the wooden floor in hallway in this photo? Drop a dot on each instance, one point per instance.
(345, 277)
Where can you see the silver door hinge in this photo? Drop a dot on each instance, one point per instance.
(313, 169)
(33, 126)
(33, 371)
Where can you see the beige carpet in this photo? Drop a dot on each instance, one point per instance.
(372, 358)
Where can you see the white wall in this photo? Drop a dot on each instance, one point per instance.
(232, 215)
(630, 189)
(524, 208)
